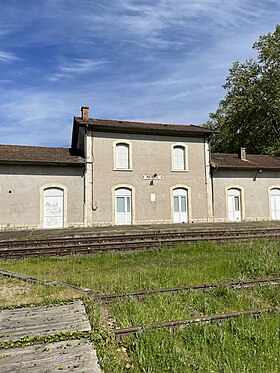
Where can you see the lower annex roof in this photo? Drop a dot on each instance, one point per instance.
(223, 160)
(38, 154)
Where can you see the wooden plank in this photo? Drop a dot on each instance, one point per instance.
(73, 306)
(29, 319)
(66, 356)
(43, 321)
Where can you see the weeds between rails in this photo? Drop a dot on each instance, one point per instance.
(158, 268)
(244, 344)
(128, 242)
(142, 293)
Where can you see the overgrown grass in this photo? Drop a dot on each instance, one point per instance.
(166, 267)
(238, 345)
(131, 311)
(245, 344)
(14, 293)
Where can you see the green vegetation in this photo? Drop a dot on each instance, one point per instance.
(157, 308)
(238, 345)
(249, 115)
(150, 269)
(14, 293)
(244, 344)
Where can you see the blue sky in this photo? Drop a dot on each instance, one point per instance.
(150, 60)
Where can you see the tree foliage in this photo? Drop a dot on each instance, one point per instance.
(249, 115)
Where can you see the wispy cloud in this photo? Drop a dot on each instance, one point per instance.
(76, 66)
(152, 60)
(8, 57)
(41, 117)
(82, 65)
(164, 23)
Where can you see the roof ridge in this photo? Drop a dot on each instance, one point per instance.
(137, 121)
(247, 154)
(36, 146)
(144, 122)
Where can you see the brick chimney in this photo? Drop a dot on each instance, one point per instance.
(84, 112)
(242, 154)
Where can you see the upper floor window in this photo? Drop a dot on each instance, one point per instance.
(122, 156)
(179, 158)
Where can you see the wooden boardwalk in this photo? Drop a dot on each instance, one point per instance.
(68, 356)
(43, 321)
(76, 355)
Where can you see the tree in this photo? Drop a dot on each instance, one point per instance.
(249, 115)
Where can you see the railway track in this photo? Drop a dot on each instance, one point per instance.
(123, 332)
(127, 241)
(107, 297)
(232, 284)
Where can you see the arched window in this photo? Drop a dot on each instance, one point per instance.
(179, 158)
(122, 156)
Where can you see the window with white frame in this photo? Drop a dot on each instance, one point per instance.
(179, 158)
(122, 156)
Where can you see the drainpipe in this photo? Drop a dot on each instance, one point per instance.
(212, 170)
(84, 204)
(207, 173)
(94, 206)
(88, 177)
(85, 179)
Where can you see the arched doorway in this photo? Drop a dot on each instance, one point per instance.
(123, 206)
(234, 204)
(53, 208)
(180, 205)
(275, 203)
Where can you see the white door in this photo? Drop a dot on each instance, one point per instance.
(234, 205)
(275, 204)
(123, 206)
(53, 208)
(180, 205)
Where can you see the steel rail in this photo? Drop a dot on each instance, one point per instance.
(96, 295)
(123, 332)
(132, 236)
(233, 284)
(125, 242)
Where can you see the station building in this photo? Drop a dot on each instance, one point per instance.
(133, 173)
(245, 187)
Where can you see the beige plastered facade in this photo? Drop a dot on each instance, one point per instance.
(254, 189)
(89, 188)
(152, 203)
(22, 193)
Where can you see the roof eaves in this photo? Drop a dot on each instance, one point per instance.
(152, 131)
(200, 132)
(245, 167)
(41, 162)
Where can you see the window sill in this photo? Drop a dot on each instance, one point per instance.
(123, 169)
(179, 170)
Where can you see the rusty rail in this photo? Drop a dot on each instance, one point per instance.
(233, 284)
(123, 332)
(239, 284)
(127, 242)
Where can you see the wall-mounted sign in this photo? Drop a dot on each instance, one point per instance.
(152, 177)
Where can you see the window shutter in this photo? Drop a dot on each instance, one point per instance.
(122, 156)
(179, 158)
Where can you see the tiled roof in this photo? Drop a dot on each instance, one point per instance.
(18, 153)
(142, 126)
(223, 160)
